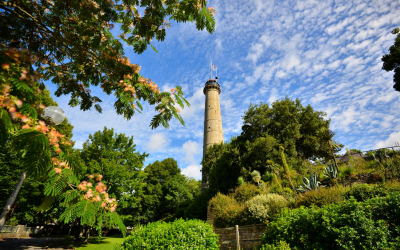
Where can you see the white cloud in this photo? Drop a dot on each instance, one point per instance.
(192, 171)
(273, 96)
(390, 141)
(157, 142)
(191, 149)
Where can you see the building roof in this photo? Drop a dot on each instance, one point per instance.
(345, 157)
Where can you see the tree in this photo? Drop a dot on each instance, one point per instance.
(115, 157)
(70, 43)
(300, 130)
(39, 144)
(391, 61)
(157, 174)
(224, 163)
(31, 195)
(74, 47)
(166, 190)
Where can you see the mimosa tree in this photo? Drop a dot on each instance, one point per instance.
(70, 43)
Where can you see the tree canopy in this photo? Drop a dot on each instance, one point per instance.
(273, 138)
(72, 45)
(115, 157)
(300, 130)
(166, 190)
(391, 61)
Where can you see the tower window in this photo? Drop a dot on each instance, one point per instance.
(209, 127)
(209, 105)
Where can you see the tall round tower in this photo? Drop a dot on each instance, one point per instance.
(212, 119)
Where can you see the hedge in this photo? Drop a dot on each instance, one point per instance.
(373, 224)
(180, 234)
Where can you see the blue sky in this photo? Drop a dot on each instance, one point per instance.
(327, 53)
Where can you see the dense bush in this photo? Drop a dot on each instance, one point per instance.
(228, 212)
(279, 246)
(363, 192)
(265, 206)
(372, 224)
(245, 192)
(180, 234)
(198, 207)
(323, 196)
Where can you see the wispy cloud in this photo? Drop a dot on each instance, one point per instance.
(327, 53)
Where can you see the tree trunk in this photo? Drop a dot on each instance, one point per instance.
(87, 234)
(11, 200)
(79, 233)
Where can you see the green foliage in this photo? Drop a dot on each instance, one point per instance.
(197, 209)
(265, 206)
(227, 211)
(391, 61)
(115, 157)
(281, 245)
(267, 176)
(321, 197)
(363, 192)
(69, 38)
(180, 234)
(300, 130)
(347, 171)
(240, 181)
(166, 191)
(350, 225)
(245, 192)
(285, 166)
(225, 163)
(31, 194)
(35, 147)
(29, 150)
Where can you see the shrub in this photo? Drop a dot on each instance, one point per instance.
(323, 196)
(227, 211)
(268, 177)
(372, 224)
(245, 192)
(198, 207)
(191, 234)
(346, 171)
(233, 214)
(280, 246)
(265, 206)
(363, 192)
(219, 202)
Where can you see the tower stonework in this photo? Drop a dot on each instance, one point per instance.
(212, 120)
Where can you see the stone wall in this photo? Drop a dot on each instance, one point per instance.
(210, 216)
(249, 236)
(19, 231)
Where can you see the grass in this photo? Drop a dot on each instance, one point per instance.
(106, 243)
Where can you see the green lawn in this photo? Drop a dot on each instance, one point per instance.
(106, 243)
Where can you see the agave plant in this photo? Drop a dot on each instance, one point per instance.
(331, 172)
(310, 184)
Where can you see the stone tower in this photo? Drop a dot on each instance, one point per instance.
(212, 119)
